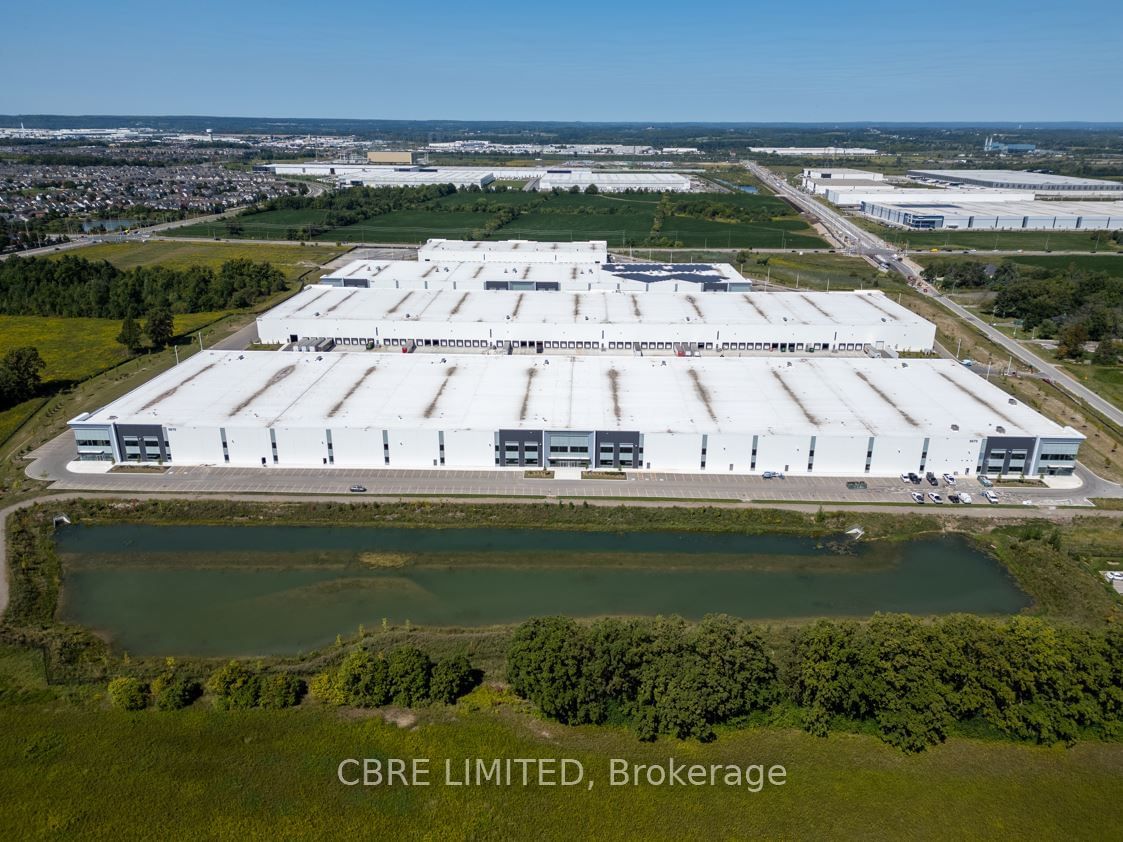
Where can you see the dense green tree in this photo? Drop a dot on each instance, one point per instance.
(363, 680)
(1071, 339)
(452, 678)
(1107, 352)
(409, 671)
(130, 335)
(158, 327)
(20, 375)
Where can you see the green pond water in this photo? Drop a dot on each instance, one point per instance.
(241, 590)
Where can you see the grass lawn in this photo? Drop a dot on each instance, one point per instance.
(1104, 380)
(72, 770)
(704, 233)
(293, 260)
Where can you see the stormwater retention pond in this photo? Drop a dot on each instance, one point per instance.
(275, 590)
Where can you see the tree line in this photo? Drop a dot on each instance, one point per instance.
(1073, 306)
(913, 681)
(72, 286)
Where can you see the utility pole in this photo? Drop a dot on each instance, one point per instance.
(958, 345)
(176, 349)
(200, 340)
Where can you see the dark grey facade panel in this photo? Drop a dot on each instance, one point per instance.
(142, 431)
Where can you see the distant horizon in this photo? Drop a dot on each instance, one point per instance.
(1021, 125)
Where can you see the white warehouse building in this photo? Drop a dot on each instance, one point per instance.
(849, 417)
(614, 182)
(938, 213)
(524, 277)
(683, 323)
(513, 251)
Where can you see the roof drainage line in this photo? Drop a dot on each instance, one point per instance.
(791, 394)
(169, 392)
(703, 393)
(277, 377)
(354, 388)
(979, 400)
(432, 407)
(865, 379)
(312, 385)
(401, 301)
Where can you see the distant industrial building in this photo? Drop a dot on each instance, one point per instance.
(614, 182)
(801, 416)
(1041, 184)
(840, 174)
(992, 145)
(513, 251)
(683, 323)
(813, 151)
(418, 177)
(940, 213)
(388, 157)
(855, 197)
(527, 277)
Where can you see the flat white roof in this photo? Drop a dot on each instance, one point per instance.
(576, 251)
(431, 176)
(1016, 177)
(475, 275)
(615, 178)
(757, 396)
(331, 303)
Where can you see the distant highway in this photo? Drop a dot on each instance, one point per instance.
(863, 242)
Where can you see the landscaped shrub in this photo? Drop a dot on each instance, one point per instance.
(128, 693)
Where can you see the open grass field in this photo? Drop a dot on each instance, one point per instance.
(409, 226)
(74, 349)
(1110, 264)
(618, 219)
(815, 271)
(293, 260)
(70, 769)
(270, 225)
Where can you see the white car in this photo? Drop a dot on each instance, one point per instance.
(949, 479)
(917, 497)
(905, 479)
(991, 496)
(964, 497)
(934, 497)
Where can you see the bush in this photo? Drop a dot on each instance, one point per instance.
(452, 678)
(128, 693)
(363, 680)
(281, 690)
(324, 687)
(174, 692)
(234, 687)
(409, 672)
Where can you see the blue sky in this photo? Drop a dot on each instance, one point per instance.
(814, 61)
